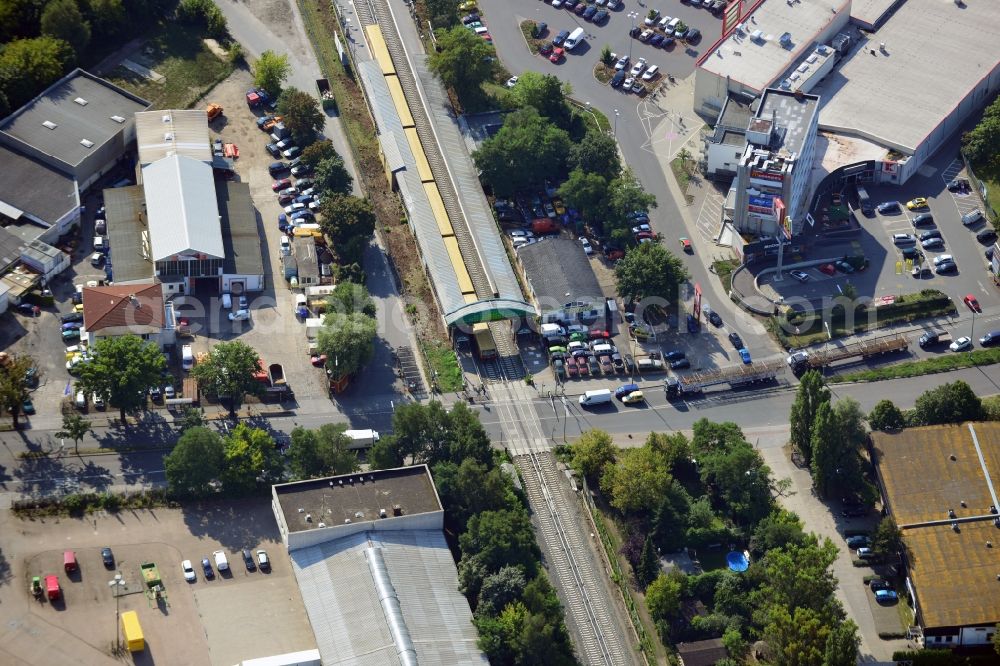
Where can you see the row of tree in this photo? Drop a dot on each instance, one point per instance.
(349, 327)
(953, 402)
(674, 493)
(516, 610)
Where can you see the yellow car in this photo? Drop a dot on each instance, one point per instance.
(917, 204)
(78, 308)
(467, 6)
(634, 397)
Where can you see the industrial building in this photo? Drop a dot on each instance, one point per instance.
(939, 484)
(56, 146)
(180, 225)
(376, 575)
(561, 281)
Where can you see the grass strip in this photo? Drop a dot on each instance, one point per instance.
(979, 357)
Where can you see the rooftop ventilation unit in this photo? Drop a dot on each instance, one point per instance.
(381, 513)
(49, 125)
(165, 118)
(169, 136)
(309, 518)
(785, 39)
(81, 101)
(86, 143)
(322, 524)
(118, 119)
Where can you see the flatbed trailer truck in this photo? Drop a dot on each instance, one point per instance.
(803, 361)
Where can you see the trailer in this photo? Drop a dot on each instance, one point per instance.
(276, 374)
(733, 376)
(362, 439)
(802, 361)
(153, 584)
(135, 641)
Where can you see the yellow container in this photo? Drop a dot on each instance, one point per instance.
(134, 639)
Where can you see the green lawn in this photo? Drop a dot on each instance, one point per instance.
(189, 68)
(927, 366)
(442, 360)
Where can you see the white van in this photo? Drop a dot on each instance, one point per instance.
(227, 301)
(672, 25)
(593, 398)
(187, 358)
(971, 218)
(574, 39)
(549, 330)
(286, 245)
(603, 349)
(362, 439)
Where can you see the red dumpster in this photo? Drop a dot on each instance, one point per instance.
(69, 562)
(52, 587)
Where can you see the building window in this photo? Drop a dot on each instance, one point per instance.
(947, 639)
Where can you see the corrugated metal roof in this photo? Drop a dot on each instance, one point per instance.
(172, 132)
(344, 582)
(183, 213)
(465, 178)
(425, 228)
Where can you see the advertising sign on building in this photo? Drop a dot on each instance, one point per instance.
(761, 203)
(890, 167)
(767, 175)
(732, 16)
(779, 212)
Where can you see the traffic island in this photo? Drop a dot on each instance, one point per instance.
(533, 43)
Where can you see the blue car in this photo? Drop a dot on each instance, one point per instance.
(588, 13)
(559, 39)
(745, 355)
(303, 198)
(656, 40)
(886, 596)
(302, 215)
(625, 389)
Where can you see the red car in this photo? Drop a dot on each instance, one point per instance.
(571, 367)
(279, 185)
(557, 55)
(973, 304)
(580, 8)
(827, 269)
(643, 234)
(686, 245)
(545, 48)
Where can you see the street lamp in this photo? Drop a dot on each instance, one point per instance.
(633, 16)
(115, 584)
(615, 132)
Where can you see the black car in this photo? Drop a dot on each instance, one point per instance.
(656, 39)
(674, 355)
(990, 339)
(927, 235)
(206, 566)
(108, 558)
(618, 78)
(588, 13)
(248, 560)
(635, 31)
(959, 185)
(559, 39)
(693, 35)
(877, 584)
(273, 149)
(277, 167)
(70, 317)
(618, 362)
(541, 28)
(715, 319)
(736, 340)
(923, 219)
(889, 207)
(986, 236)
(946, 267)
(680, 364)
(692, 324)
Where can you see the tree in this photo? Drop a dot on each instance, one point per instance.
(322, 452)
(74, 427)
(663, 598)
(442, 13)
(827, 448)
(27, 66)
(122, 370)
(205, 13)
(650, 270)
(301, 114)
(607, 57)
(587, 193)
(270, 71)
(194, 463)
(625, 195)
(777, 530)
(797, 576)
(887, 539)
(192, 417)
(812, 392)
(499, 538)
(886, 416)
(62, 19)
(468, 488)
(949, 403)
(596, 153)
(592, 452)
(429, 434)
(670, 520)
(739, 479)
(349, 223)
(108, 18)
(228, 372)
(332, 178)
(348, 340)
(316, 152)
(351, 297)
(649, 564)
(842, 645)
(500, 589)
(546, 93)
(15, 385)
(249, 454)
(462, 60)
(19, 18)
(796, 636)
(634, 482)
(527, 150)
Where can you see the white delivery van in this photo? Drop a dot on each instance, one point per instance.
(574, 39)
(221, 561)
(593, 398)
(187, 358)
(603, 349)
(362, 439)
(227, 301)
(549, 330)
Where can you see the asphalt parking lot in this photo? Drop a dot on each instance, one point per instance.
(220, 621)
(505, 18)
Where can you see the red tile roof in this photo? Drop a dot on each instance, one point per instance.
(139, 306)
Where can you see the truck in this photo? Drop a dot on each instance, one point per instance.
(362, 439)
(734, 376)
(485, 345)
(931, 338)
(324, 89)
(801, 361)
(253, 99)
(214, 111)
(134, 639)
(276, 374)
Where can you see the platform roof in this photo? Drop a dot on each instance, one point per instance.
(898, 97)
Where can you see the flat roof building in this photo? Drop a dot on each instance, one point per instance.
(940, 484)
(378, 581)
(558, 273)
(771, 37)
(910, 95)
(243, 266)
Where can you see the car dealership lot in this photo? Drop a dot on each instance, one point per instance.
(220, 621)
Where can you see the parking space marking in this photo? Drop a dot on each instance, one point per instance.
(965, 203)
(710, 216)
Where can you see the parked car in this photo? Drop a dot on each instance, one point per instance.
(715, 319)
(923, 219)
(919, 203)
(986, 236)
(945, 267)
(206, 566)
(888, 207)
(972, 303)
(886, 596)
(188, 570)
(858, 541)
(736, 340)
(932, 243)
(801, 276)
(990, 339)
(865, 553)
(745, 356)
(263, 561)
(877, 584)
(618, 78)
(961, 344)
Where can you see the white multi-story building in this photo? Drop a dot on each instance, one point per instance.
(772, 185)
